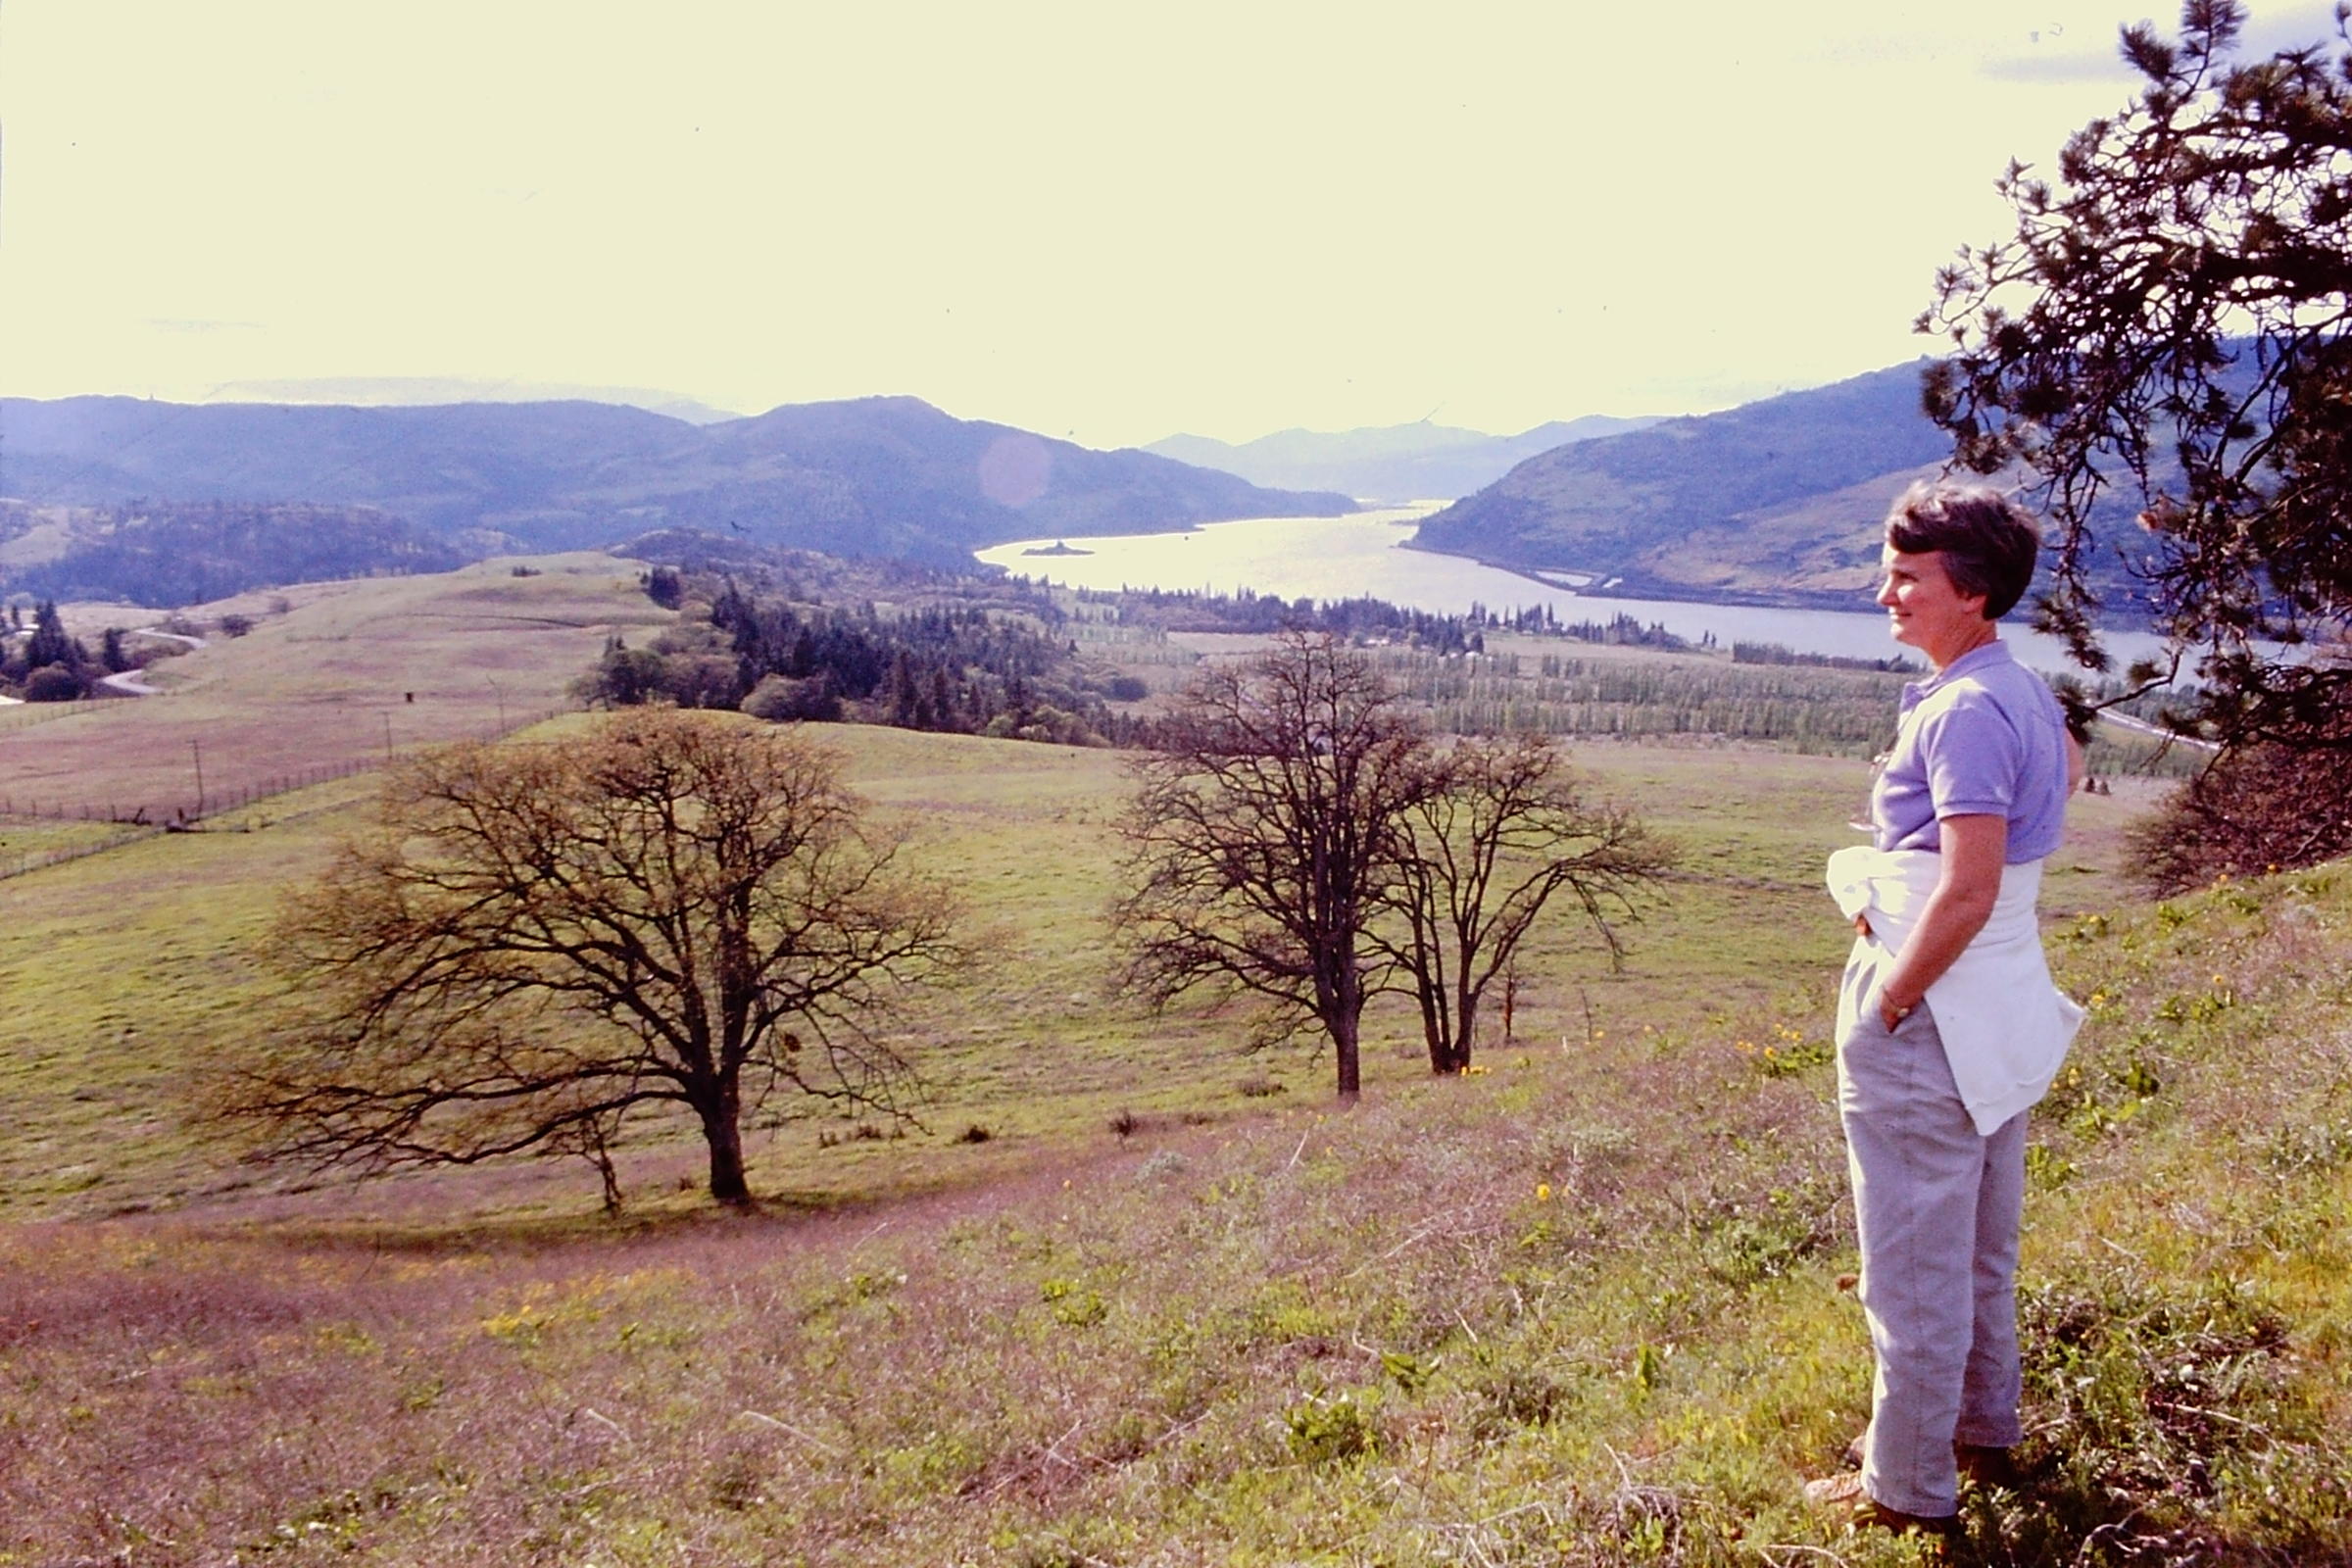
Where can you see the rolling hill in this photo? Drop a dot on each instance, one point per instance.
(414, 390)
(1131, 1282)
(1778, 502)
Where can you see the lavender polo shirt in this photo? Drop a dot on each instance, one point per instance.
(1981, 737)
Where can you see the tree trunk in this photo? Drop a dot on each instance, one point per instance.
(723, 1130)
(1433, 1031)
(1346, 1023)
(1352, 1078)
(1340, 1004)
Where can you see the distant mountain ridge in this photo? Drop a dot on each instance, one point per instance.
(869, 476)
(409, 391)
(1422, 462)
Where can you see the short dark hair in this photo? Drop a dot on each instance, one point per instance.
(1987, 541)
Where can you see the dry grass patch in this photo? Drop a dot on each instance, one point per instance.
(346, 672)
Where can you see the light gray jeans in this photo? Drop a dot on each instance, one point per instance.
(1937, 1208)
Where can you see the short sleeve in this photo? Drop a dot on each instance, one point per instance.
(1975, 758)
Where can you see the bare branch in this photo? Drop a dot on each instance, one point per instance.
(1498, 828)
(1261, 835)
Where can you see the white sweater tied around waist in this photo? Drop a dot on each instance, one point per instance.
(2005, 1024)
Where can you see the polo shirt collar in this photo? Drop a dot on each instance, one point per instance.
(1995, 651)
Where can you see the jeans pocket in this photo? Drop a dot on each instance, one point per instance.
(1861, 988)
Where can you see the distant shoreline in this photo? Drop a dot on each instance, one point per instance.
(1605, 586)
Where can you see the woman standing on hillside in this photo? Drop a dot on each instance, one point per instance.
(1948, 1025)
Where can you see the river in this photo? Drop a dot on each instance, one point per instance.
(1362, 555)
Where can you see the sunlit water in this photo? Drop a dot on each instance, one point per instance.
(1362, 555)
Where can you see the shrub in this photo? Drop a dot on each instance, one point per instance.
(781, 699)
(2264, 809)
(699, 681)
(52, 684)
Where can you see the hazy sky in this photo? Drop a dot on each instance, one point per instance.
(1107, 221)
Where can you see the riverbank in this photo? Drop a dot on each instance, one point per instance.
(1371, 555)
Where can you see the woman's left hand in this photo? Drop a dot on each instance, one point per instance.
(1973, 847)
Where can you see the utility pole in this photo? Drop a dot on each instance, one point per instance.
(196, 749)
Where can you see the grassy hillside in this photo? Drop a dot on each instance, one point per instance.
(1581, 1306)
(135, 963)
(331, 675)
(1818, 548)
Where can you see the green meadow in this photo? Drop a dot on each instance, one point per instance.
(1128, 1293)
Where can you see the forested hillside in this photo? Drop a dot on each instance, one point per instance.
(169, 554)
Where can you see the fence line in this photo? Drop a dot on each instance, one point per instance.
(42, 858)
(148, 819)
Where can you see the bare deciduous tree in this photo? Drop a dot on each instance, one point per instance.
(1298, 836)
(1497, 828)
(536, 941)
(1263, 835)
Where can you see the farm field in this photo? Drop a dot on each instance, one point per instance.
(1579, 1306)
